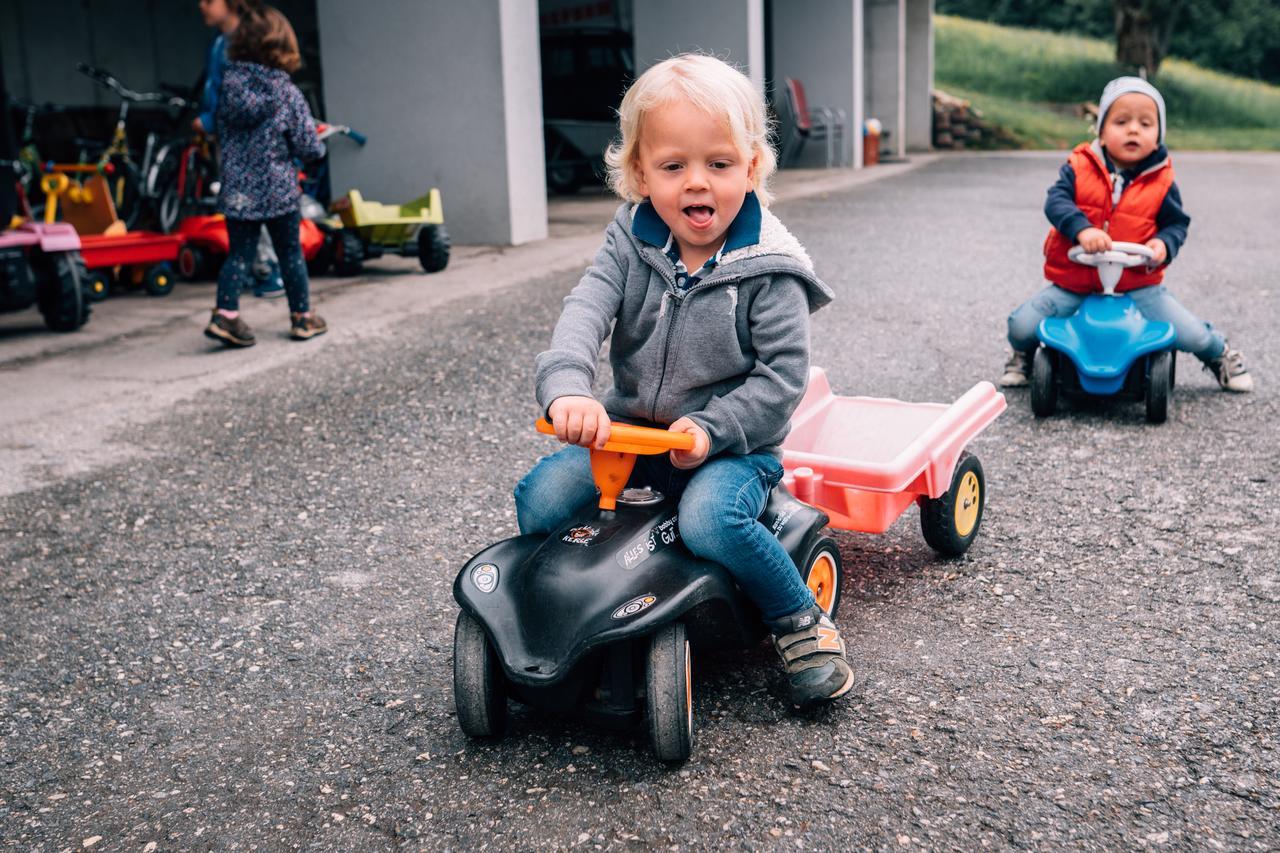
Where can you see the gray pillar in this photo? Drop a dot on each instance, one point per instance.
(886, 68)
(450, 96)
(819, 43)
(730, 29)
(919, 82)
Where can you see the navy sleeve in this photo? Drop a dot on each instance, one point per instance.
(1172, 222)
(301, 130)
(212, 83)
(1060, 205)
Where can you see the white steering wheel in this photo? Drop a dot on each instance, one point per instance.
(1112, 262)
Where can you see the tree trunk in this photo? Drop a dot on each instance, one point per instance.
(1143, 28)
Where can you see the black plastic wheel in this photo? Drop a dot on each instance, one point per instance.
(479, 688)
(563, 176)
(348, 253)
(669, 693)
(1044, 385)
(822, 572)
(64, 298)
(1159, 386)
(322, 260)
(950, 522)
(99, 285)
(160, 280)
(193, 263)
(433, 247)
(125, 185)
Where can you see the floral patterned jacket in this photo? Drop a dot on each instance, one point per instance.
(263, 125)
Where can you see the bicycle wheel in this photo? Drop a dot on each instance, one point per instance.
(125, 183)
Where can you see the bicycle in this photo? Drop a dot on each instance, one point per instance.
(184, 179)
(128, 190)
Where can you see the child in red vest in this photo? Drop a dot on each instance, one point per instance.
(1119, 187)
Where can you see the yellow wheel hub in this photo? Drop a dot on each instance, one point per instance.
(822, 581)
(968, 503)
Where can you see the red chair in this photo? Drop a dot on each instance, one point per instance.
(805, 122)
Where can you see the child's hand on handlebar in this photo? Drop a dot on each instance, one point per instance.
(580, 420)
(1160, 252)
(1094, 240)
(701, 445)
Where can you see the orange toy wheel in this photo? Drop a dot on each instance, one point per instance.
(822, 572)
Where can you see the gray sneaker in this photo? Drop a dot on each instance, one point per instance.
(1016, 370)
(1230, 371)
(813, 654)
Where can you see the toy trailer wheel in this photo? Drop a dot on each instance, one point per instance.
(348, 253)
(823, 574)
(1159, 386)
(950, 522)
(64, 293)
(669, 693)
(193, 262)
(433, 247)
(160, 280)
(99, 286)
(1044, 385)
(322, 260)
(479, 689)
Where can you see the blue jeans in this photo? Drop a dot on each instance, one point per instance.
(237, 269)
(720, 505)
(1156, 303)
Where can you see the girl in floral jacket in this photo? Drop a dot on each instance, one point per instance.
(264, 125)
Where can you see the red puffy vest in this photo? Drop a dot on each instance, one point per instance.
(1133, 220)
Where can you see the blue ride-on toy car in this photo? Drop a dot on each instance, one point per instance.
(1107, 348)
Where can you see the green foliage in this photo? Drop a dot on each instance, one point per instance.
(1236, 36)
(1030, 81)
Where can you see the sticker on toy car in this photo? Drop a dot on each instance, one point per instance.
(662, 535)
(485, 577)
(634, 606)
(581, 535)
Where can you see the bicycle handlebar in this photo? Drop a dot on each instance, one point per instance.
(106, 80)
(325, 130)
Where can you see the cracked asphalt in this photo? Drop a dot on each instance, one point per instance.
(240, 637)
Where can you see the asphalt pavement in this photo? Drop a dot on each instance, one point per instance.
(236, 633)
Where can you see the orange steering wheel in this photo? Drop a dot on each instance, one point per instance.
(611, 465)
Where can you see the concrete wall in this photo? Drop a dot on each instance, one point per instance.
(919, 82)
(458, 105)
(42, 40)
(730, 29)
(885, 69)
(819, 43)
(141, 42)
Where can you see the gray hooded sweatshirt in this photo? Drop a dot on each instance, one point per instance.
(731, 352)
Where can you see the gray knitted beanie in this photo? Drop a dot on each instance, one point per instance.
(1124, 86)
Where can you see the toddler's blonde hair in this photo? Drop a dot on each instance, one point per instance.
(713, 86)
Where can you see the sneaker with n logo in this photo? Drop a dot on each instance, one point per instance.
(813, 654)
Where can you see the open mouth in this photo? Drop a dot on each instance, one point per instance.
(699, 215)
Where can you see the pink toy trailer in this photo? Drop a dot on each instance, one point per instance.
(864, 460)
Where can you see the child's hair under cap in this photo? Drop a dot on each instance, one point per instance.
(1124, 86)
(713, 86)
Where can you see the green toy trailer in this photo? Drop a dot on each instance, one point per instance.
(369, 229)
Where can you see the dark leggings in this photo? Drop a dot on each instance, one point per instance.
(237, 270)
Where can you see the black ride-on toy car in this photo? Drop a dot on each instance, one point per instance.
(602, 616)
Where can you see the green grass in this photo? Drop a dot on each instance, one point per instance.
(1029, 81)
